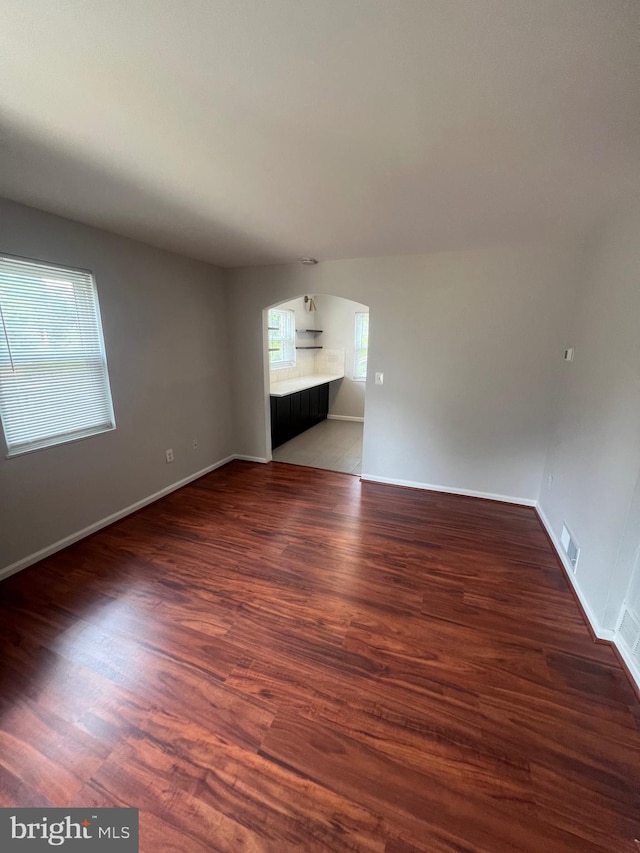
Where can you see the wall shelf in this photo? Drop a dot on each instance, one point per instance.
(308, 332)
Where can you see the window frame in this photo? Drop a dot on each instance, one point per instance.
(286, 336)
(87, 356)
(358, 348)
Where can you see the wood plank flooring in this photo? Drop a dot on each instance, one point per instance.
(276, 658)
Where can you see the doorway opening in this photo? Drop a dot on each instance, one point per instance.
(316, 351)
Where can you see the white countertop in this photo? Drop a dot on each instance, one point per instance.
(290, 386)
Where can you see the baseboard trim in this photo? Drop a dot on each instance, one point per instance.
(345, 418)
(429, 487)
(628, 664)
(110, 519)
(599, 634)
(244, 458)
(590, 618)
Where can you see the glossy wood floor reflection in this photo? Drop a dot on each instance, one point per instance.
(276, 658)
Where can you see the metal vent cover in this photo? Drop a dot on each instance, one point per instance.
(570, 546)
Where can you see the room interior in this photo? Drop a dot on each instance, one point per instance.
(330, 356)
(470, 173)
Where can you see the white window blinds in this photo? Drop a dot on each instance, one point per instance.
(361, 346)
(54, 385)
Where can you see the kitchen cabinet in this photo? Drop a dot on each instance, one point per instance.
(297, 412)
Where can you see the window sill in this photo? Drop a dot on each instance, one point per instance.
(22, 451)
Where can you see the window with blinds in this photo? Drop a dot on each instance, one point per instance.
(54, 384)
(361, 347)
(282, 337)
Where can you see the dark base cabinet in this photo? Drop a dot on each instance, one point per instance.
(297, 412)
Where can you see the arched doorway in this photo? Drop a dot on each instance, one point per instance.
(316, 350)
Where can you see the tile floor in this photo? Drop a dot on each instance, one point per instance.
(334, 445)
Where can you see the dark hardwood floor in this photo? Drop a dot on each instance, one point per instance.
(276, 658)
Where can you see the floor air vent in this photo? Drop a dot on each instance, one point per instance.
(570, 547)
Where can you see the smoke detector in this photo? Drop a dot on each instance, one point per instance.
(309, 262)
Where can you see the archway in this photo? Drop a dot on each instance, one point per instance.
(315, 353)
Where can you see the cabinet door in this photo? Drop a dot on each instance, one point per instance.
(296, 423)
(274, 424)
(314, 405)
(280, 420)
(305, 410)
(284, 417)
(323, 401)
(319, 403)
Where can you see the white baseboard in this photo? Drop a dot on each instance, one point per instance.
(345, 418)
(632, 666)
(429, 487)
(105, 522)
(244, 458)
(598, 630)
(601, 633)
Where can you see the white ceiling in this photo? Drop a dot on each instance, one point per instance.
(256, 131)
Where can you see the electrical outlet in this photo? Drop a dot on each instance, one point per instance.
(195, 443)
(549, 482)
(169, 455)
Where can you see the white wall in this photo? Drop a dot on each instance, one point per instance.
(305, 319)
(594, 454)
(346, 398)
(626, 574)
(164, 320)
(468, 343)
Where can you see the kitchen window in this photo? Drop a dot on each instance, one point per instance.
(361, 347)
(282, 337)
(54, 384)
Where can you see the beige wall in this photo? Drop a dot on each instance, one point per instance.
(164, 320)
